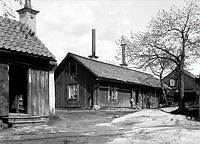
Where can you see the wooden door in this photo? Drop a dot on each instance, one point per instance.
(38, 92)
(4, 90)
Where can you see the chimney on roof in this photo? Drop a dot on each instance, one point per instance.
(123, 46)
(27, 15)
(93, 56)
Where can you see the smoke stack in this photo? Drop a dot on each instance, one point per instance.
(123, 45)
(93, 56)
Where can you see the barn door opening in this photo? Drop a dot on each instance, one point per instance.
(18, 89)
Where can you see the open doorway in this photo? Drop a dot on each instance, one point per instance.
(17, 89)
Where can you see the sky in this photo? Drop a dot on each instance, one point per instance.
(66, 25)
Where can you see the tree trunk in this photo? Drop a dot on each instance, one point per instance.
(163, 91)
(181, 103)
(181, 109)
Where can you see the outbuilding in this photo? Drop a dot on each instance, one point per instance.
(84, 82)
(26, 70)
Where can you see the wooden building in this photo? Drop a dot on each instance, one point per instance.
(26, 68)
(84, 82)
(191, 86)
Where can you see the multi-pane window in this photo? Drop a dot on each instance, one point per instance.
(112, 94)
(73, 92)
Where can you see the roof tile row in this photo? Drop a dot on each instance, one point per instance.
(15, 36)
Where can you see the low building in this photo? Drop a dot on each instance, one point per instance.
(191, 86)
(84, 82)
(26, 69)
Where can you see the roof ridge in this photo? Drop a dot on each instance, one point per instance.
(109, 64)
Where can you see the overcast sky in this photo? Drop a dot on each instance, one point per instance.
(65, 25)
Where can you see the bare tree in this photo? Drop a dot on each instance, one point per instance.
(7, 9)
(172, 38)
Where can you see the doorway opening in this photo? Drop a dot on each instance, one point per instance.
(17, 89)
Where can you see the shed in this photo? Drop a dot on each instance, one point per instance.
(191, 86)
(26, 70)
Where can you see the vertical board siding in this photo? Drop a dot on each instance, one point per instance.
(46, 93)
(4, 89)
(124, 99)
(86, 85)
(29, 104)
(38, 92)
(38, 95)
(42, 99)
(33, 93)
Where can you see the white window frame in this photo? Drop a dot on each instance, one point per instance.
(172, 82)
(73, 92)
(112, 94)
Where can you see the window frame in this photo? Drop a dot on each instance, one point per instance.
(112, 94)
(172, 82)
(75, 94)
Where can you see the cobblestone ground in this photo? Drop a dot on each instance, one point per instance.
(109, 127)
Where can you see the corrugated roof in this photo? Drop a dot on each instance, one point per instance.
(110, 71)
(15, 36)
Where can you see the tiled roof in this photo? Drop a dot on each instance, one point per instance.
(113, 72)
(15, 36)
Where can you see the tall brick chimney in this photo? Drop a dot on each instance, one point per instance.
(93, 56)
(27, 15)
(123, 46)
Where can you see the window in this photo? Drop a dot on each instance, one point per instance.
(72, 69)
(172, 82)
(73, 92)
(112, 94)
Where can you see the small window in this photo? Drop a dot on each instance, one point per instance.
(72, 69)
(112, 94)
(73, 92)
(172, 82)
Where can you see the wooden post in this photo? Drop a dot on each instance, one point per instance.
(51, 93)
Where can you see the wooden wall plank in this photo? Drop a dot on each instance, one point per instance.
(29, 96)
(4, 90)
(46, 85)
(38, 95)
(33, 93)
(42, 101)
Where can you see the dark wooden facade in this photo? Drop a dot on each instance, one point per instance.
(191, 86)
(26, 71)
(25, 76)
(95, 90)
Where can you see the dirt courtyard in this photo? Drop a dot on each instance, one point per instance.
(147, 126)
